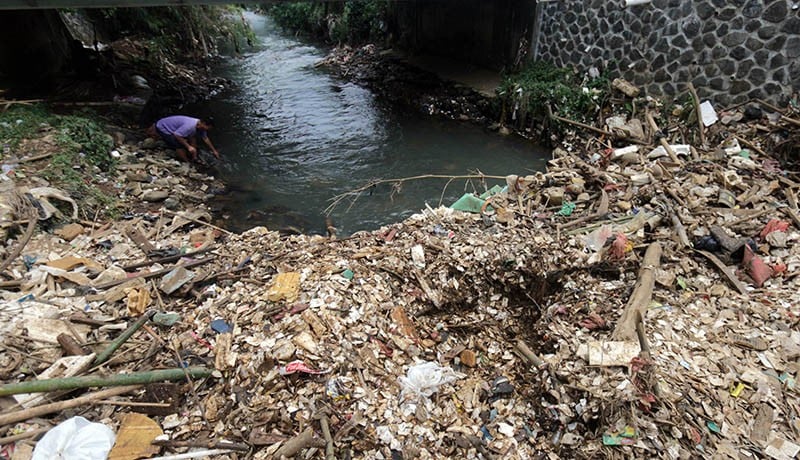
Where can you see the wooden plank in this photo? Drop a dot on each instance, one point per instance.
(138, 237)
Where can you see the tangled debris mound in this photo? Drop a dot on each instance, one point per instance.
(392, 79)
(636, 300)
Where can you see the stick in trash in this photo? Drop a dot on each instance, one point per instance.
(70, 346)
(699, 115)
(528, 354)
(296, 444)
(25, 414)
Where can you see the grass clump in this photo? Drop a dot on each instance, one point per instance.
(80, 150)
(18, 123)
(526, 95)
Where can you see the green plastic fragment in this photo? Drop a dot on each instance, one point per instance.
(469, 203)
(566, 209)
(166, 319)
(713, 427)
(788, 380)
(682, 283)
(492, 191)
(626, 437)
(348, 274)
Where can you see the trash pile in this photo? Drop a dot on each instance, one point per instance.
(638, 299)
(391, 78)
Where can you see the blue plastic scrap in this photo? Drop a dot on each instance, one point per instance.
(220, 326)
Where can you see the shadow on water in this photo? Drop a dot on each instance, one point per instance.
(293, 137)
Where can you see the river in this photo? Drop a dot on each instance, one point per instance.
(293, 137)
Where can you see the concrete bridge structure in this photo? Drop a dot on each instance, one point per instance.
(58, 4)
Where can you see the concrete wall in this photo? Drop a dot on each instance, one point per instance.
(479, 32)
(731, 50)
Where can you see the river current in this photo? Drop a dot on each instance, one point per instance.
(293, 137)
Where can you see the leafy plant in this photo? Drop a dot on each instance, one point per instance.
(306, 17)
(356, 22)
(361, 21)
(86, 139)
(540, 85)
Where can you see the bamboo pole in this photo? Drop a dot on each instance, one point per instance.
(25, 435)
(149, 275)
(88, 381)
(105, 354)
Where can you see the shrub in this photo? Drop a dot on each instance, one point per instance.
(530, 91)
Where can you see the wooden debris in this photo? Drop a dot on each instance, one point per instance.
(297, 444)
(642, 294)
(22, 415)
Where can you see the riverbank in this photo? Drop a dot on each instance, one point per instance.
(638, 297)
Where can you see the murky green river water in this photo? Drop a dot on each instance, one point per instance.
(293, 137)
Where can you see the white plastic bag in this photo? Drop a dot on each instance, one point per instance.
(75, 439)
(424, 379)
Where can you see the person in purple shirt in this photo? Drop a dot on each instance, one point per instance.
(180, 133)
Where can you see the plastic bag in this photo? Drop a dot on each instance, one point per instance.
(424, 379)
(75, 439)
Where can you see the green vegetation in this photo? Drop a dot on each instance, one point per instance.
(354, 22)
(188, 31)
(306, 17)
(79, 145)
(85, 140)
(18, 123)
(528, 93)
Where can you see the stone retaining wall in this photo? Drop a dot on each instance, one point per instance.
(732, 50)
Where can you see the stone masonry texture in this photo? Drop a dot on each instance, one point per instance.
(732, 51)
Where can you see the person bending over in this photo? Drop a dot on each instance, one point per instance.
(180, 133)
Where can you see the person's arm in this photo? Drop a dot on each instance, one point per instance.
(211, 146)
(184, 142)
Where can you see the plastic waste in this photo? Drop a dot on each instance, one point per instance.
(468, 203)
(75, 439)
(8, 167)
(597, 239)
(492, 191)
(708, 114)
(626, 437)
(165, 319)
(424, 379)
(295, 367)
(220, 326)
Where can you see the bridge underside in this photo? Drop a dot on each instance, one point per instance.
(51, 4)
